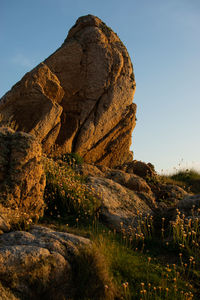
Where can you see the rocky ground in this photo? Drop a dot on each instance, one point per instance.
(79, 218)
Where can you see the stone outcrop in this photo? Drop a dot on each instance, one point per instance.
(80, 98)
(36, 264)
(119, 204)
(22, 179)
(131, 181)
(170, 193)
(190, 202)
(123, 193)
(139, 168)
(32, 105)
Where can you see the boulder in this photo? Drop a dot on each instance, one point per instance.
(22, 178)
(131, 181)
(142, 169)
(89, 170)
(169, 194)
(189, 202)
(36, 264)
(119, 204)
(80, 98)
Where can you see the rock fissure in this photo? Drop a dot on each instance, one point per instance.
(78, 96)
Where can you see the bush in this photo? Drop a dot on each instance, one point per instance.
(190, 178)
(66, 193)
(72, 159)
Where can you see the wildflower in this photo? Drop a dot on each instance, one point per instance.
(125, 285)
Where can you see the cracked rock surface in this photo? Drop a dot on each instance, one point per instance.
(80, 98)
(22, 179)
(35, 264)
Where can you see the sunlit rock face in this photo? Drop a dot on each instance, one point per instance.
(80, 98)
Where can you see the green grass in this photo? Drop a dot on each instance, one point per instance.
(157, 261)
(134, 271)
(188, 179)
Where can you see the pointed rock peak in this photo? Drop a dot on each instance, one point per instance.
(80, 97)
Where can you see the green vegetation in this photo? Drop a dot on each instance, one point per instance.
(66, 193)
(144, 265)
(72, 159)
(154, 261)
(188, 179)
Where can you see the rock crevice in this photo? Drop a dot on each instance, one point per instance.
(76, 98)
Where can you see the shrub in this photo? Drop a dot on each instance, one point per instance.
(66, 193)
(187, 179)
(72, 159)
(190, 178)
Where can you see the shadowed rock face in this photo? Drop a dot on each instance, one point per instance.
(22, 178)
(85, 89)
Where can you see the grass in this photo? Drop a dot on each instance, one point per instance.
(188, 179)
(136, 266)
(157, 260)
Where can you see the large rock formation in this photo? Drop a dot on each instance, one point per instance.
(22, 179)
(33, 105)
(80, 98)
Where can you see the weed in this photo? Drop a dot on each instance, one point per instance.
(72, 159)
(66, 194)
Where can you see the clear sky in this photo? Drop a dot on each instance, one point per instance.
(163, 40)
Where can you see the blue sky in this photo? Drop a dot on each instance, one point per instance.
(163, 40)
